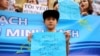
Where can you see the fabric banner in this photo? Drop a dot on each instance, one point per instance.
(15, 28)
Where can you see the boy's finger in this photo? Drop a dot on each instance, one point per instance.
(29, 36)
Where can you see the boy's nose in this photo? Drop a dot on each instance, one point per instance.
(51, 21)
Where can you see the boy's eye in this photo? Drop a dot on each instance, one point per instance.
(48, 18)
(51, 19)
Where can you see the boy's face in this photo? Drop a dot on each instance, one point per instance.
(4, 4)
(50, 22)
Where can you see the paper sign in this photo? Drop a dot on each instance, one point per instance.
(69, 10)
(48, 44)
(35, 9)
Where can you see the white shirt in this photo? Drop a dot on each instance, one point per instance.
(96, 7)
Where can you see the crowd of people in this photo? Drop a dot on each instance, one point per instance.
(87, 7)
(11, 5)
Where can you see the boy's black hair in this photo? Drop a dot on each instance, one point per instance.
(51, 13)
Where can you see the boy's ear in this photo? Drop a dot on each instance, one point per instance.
(57, 20)
(43, 21)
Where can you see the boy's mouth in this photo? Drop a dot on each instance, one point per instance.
(50, 24)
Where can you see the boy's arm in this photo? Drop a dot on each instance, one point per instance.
(29, 37)
(67, 34)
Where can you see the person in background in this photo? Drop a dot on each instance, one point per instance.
(86, 7)
(20, 9)
(33, 1)
(96, 7)
(55, 5)
(91, 1)
(11, 5)
(4, 4)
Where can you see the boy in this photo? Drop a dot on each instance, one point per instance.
(51, 18)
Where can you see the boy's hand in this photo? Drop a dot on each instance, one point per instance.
(29, 37)
(67, 34)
